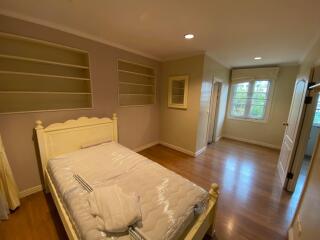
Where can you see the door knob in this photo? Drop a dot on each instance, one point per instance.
(285, 124)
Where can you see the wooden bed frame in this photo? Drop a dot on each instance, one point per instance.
(60, 138)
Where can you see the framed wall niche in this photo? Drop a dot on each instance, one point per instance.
(178, 92)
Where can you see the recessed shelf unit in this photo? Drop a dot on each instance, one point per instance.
(36, 75)
(178, 92)
(136, 84)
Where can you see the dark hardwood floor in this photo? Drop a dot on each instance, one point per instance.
(252, 204)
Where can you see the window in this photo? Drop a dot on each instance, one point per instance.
(250, 100)
(316, 120)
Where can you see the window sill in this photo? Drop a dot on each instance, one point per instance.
(248, 119)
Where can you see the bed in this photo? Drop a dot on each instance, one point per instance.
(60, 150)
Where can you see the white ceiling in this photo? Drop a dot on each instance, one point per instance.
(230, 31)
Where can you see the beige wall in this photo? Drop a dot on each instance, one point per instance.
(179, 127)
(187, 129)
(137, 125)
(271, 132)
(212, 70)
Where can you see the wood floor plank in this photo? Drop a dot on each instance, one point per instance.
(252, 204)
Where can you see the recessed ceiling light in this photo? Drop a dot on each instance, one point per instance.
(257, 58)
(189, 36)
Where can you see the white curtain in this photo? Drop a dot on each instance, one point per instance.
(9, 193)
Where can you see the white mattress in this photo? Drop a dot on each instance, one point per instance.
(167, 199)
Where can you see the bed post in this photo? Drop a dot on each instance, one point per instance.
(205, 222)
(115, 127)
(214, 191)
(214, 194)
(42, 150)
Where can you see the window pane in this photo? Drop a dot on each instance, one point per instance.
(241, 87)
(239, 100)
(240, 95)
(258, 102)
(257, 111)
(316, 119)
(259, 95)
(261, 86)
(238, 109)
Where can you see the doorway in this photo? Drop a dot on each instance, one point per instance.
(306, 125)
(212, 134)
(301, 163)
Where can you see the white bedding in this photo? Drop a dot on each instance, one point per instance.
(167, 199)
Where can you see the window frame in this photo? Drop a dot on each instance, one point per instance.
(268, 104)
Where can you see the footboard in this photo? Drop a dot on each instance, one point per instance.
(205, 222)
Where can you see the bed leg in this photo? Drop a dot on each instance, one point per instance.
(46, 188)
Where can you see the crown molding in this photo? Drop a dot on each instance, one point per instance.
(74, 32)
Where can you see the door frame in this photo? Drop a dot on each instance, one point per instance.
(217, 108)
(302, 141)
(216, 116)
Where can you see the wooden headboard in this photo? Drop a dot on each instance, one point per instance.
(60, 138)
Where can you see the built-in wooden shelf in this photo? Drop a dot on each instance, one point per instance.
(44, 75)
(36, 75)
(136, 84)
(136, 73)
(136, 94)
(35, 92)
(42, 61)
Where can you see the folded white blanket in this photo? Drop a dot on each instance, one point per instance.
(115, 210)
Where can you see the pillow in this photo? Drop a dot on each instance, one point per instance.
(94, 143)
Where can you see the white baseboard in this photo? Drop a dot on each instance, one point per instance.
(143, 147)
(180, 149)
(30, 191)
(218, 138)
(197, 153)
(263, 144)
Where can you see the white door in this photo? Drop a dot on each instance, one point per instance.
(292, 129)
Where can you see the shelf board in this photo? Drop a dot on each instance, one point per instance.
(42, 42)
(178, 88)
(48, 110)
(135, 73)
(38, 92)
(45, 75)
(136, 94)
(137, 84)
(42, 61)
(179, 95)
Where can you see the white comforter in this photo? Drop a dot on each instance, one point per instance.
(167, 199)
